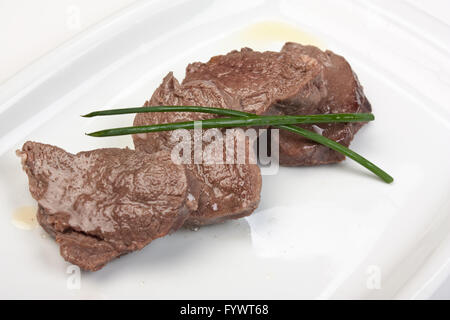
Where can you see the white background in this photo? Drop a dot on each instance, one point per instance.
(30, 29)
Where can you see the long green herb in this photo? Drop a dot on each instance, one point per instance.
(315, 118)
(246, 119)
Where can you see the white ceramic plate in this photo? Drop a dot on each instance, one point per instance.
(324, 232)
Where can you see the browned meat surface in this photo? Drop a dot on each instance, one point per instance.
(258, 81)
(298, 80)
(226, 190)
(103, 203)
(344, 95)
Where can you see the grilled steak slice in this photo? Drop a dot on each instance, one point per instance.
(103, 203)
(298, 80)
(226, 190)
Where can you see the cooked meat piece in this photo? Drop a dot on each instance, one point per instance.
(344, 95)
(226, 190)
(298, 80)
(103, 203)
(258, 81)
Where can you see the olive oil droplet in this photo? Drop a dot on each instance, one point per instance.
(259, 35)
(25, 218)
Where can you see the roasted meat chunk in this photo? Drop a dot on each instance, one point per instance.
(228, 190)
(295, 81)
(103, 203)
